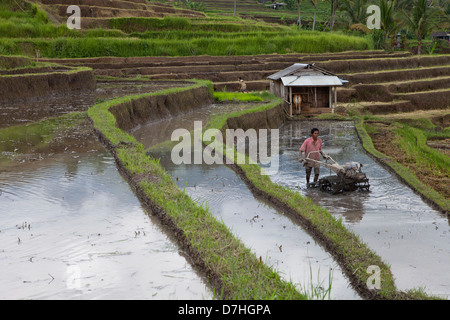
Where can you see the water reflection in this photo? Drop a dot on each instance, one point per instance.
(272, 236)
(394, 221)
(72, 229)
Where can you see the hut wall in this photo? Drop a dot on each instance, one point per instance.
(276, 88)
(313, 97)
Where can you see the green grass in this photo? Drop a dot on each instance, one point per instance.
(24, 32)
(66, 47)
(257, 9)
(236, 96)
(413, 142)
(170, 24)
(242, 275)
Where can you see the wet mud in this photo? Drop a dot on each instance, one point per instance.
(25, 86)
(23, 111)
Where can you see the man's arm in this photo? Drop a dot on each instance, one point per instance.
(300, 153)
(324, 155)
(300, 156)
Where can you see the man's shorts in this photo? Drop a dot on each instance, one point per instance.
(310, 166)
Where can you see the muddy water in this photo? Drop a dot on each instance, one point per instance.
(71, 228)
(272, 236)
(394, 221)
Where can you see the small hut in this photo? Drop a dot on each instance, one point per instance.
(441, 35)
(306, 88)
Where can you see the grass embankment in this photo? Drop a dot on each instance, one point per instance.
(425, 169)
(233, 269)
(236, 96)
(347, 247)
(355, 256)
(126, 47)
(253, 8)
(25, 30)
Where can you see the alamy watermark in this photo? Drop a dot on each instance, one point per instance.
(242, 147)
(374, 281)
(74, 21)
(374, 18)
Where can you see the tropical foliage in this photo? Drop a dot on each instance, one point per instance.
(414, 18)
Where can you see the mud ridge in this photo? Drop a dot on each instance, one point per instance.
(138, 111)
(25, 86)
(384, 163)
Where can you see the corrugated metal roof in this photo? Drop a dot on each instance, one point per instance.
(288, 70)
(311, 81)
(300, 74)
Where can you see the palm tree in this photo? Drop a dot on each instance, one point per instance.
(387, 8)
(299, 18)
(403, 5)
(444, 11)
(315, 4)
(334, 7)
(355, 10)
(420, 20)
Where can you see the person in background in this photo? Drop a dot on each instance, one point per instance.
(242, 85)
(313, 143)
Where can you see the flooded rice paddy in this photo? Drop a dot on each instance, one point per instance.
(409, 235)
(71, 228)
(271, 235)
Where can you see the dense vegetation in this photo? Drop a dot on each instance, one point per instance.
(413, 19)
(26, 28)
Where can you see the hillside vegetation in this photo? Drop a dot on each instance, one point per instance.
(152, 29)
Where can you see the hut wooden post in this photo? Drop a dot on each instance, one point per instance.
(335, 99)
(290, 100)
(330, 90)
(309, 80)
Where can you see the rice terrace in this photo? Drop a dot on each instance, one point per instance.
(153, 150)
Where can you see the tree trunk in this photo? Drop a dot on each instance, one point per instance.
(299, 18)
(314, 22)
(333, 14)
(419, 44)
